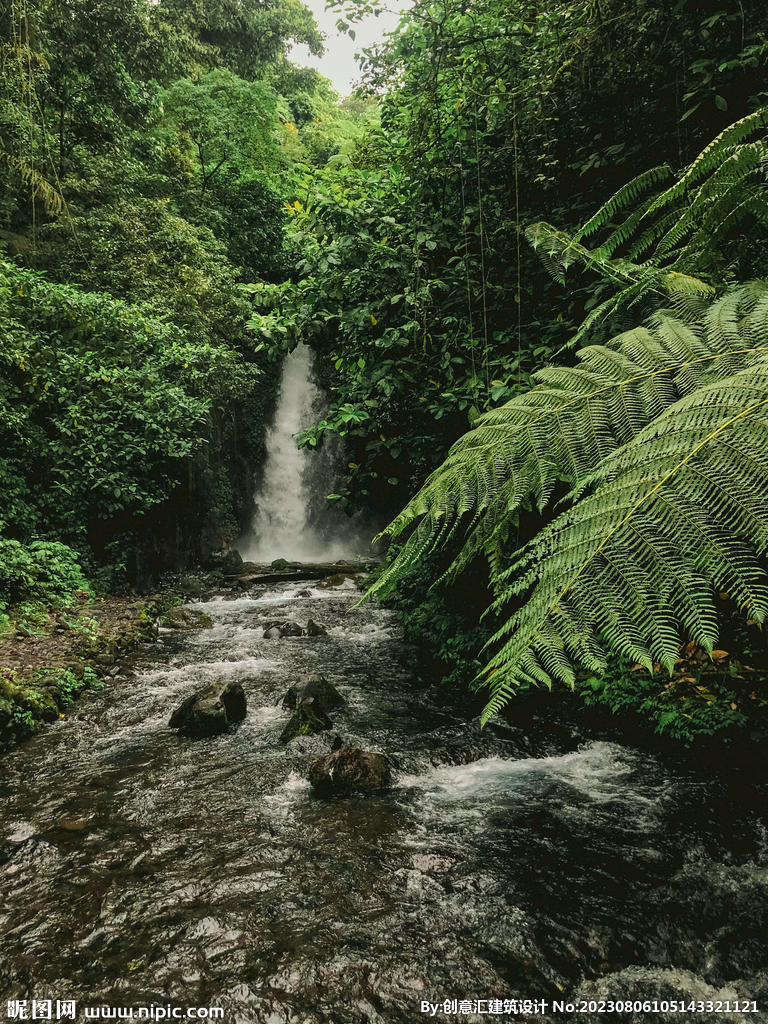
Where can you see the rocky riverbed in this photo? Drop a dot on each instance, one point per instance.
(50, 656)
(520, 862)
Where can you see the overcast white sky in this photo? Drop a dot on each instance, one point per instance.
(339, 62)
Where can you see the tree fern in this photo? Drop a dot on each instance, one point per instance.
(672, 517)
(570, 422)
(680, 234)
(660, 437)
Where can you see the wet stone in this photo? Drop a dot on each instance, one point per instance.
(211, 711)
(337, 580)
(326, 693)
(186, 618)
(290, 700)
(316, 629)
(349, 770)
(308, 718)
(275, 630)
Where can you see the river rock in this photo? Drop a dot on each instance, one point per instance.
(274, 630)
(210, 711)
(231, 560)
(338, 580)
(290, 700)
(349, 770)
(316, 629)
(308, 718)
(186, 618)
(326, 693)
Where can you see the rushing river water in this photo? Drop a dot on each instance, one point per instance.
(141, 869)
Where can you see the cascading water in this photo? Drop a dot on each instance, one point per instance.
(292, 519)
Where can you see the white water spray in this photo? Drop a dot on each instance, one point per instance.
(286, 522)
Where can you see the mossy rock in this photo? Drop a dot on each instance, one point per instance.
(210, 711)
(349, 770)
(186, 618)
(326, 693)
(308, 718)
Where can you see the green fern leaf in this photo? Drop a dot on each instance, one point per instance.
(574, 418)
(676, 515)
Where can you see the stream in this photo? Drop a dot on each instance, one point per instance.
(140, 869)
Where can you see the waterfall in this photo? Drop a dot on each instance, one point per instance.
(291, 517)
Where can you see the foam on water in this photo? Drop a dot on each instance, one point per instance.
(599, 771)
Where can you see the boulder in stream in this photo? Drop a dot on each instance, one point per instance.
(275, 630)
(290, 700)
(339, 579)
(349, 770)
(325, 692)
(316, 629)
(210, 711)
(307, 719)
(186, 618)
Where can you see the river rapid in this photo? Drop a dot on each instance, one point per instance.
(142, 869)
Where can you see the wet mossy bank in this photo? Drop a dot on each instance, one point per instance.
(50, 656)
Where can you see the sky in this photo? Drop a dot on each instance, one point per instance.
(338, 62)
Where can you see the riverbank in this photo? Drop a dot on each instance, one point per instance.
(50, 655)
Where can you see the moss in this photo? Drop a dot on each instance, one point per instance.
(23, 708)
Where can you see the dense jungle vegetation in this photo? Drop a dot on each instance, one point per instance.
(529, 255)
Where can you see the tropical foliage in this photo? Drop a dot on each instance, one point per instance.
(182, 204)
(656, 443)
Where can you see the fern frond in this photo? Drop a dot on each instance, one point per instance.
(626, 195)
(652, 234)
(558, 250)
(52, 199)
(719, 187)
(711, 156)
(682, 230)
(574, 418)
(676, 515)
